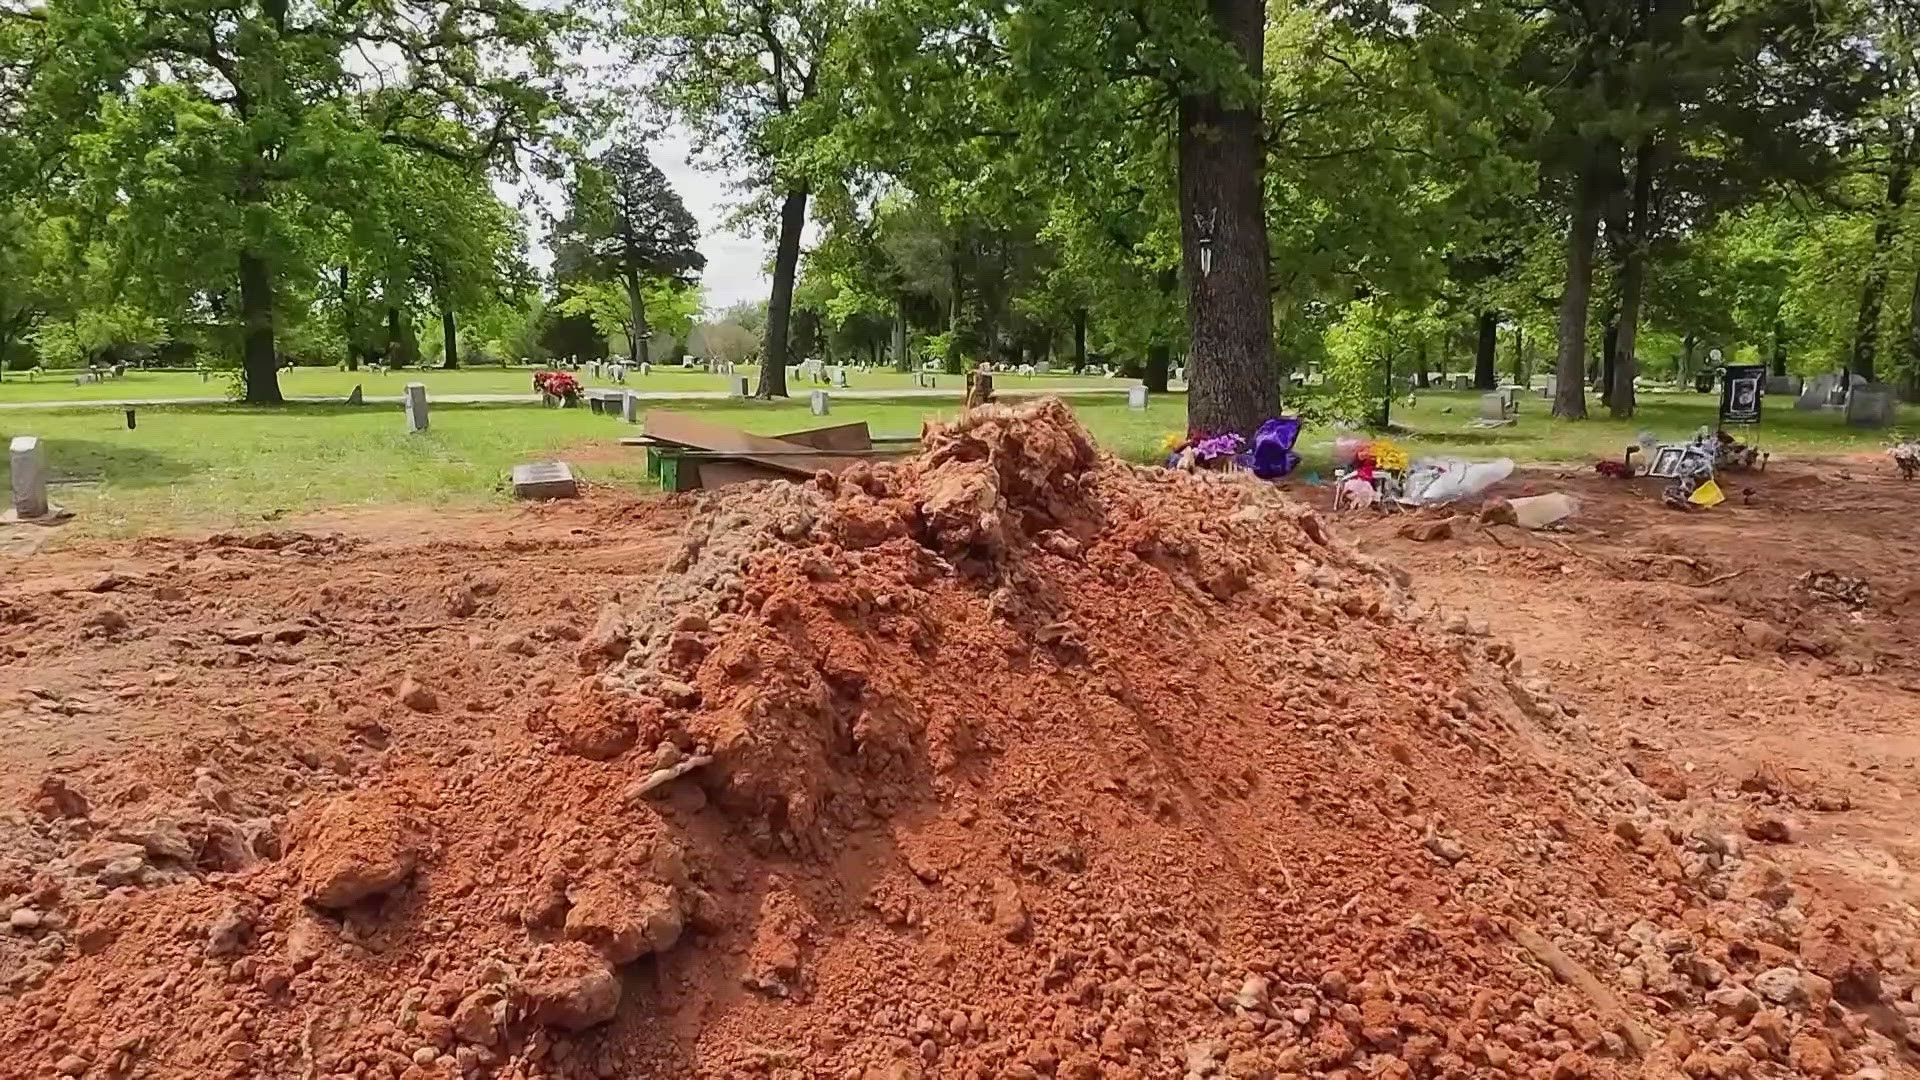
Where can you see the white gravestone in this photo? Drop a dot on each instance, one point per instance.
(817, 401)
(840, 378)
(1136, 397)
(29, 478)
(630, 407)
(544, 480)
(416, 401)
(738, 387)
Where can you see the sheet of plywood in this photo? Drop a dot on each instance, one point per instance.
(719, 472)
(787, 457)
(852, 436)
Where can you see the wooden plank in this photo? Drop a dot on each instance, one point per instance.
(778, 454)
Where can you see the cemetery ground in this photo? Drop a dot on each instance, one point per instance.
(222, 466)
(483, 381)
(267, 665)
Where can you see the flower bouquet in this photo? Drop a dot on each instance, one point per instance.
(557, 388)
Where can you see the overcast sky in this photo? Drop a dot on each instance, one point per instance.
(736, 264)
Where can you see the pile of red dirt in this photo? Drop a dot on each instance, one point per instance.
(1007, 760)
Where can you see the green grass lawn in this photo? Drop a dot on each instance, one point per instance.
(204, 466)
(217, 466)
(331, 382)
(1441, 424)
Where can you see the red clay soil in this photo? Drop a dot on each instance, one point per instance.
(1005, 761)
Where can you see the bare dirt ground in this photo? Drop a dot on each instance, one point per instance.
(1753, 687)
(1004, 764)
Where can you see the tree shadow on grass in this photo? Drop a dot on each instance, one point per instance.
(75, 462)
(1493, 437)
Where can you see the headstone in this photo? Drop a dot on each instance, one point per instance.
(1463, 382)
(738, 387)
(620, 373)
(1815, 392)
(29, 478)
(544, 480)
(357, 397)
(1043, 366)
(817, 401)
(1493, 407)
(630, 407)
(203, 374)
(596, 403)
(1783, 384)
(416, 400)
(840, 378)
(646, 368)
(1136, 397)
(1871, 405)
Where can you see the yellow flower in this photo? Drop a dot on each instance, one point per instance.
(1388, 456)
(1174, 441)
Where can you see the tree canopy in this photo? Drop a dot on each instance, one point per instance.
(1249, 191)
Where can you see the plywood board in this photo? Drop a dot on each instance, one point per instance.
(852, 436)
(787, 457)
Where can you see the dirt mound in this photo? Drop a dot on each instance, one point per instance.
(1007, 760)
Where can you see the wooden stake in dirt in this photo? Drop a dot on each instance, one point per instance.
(1568, 971)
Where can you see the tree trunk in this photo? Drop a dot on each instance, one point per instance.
(638, 349)
(1633, 280)
(258, 362)
(901, 362)
(1484, 375)
(449, 339)
(1420, 374)
(1386, 395)
(1570, 393)
(1780, 337)
(1520, 373)
(1232, 382)
(786, 265)
(1866, 326)
(1608, 341)
(950, 363)
(1079, 340)
(1159, 360)
(1913, 343)
(350, 318)
(1686, 357)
